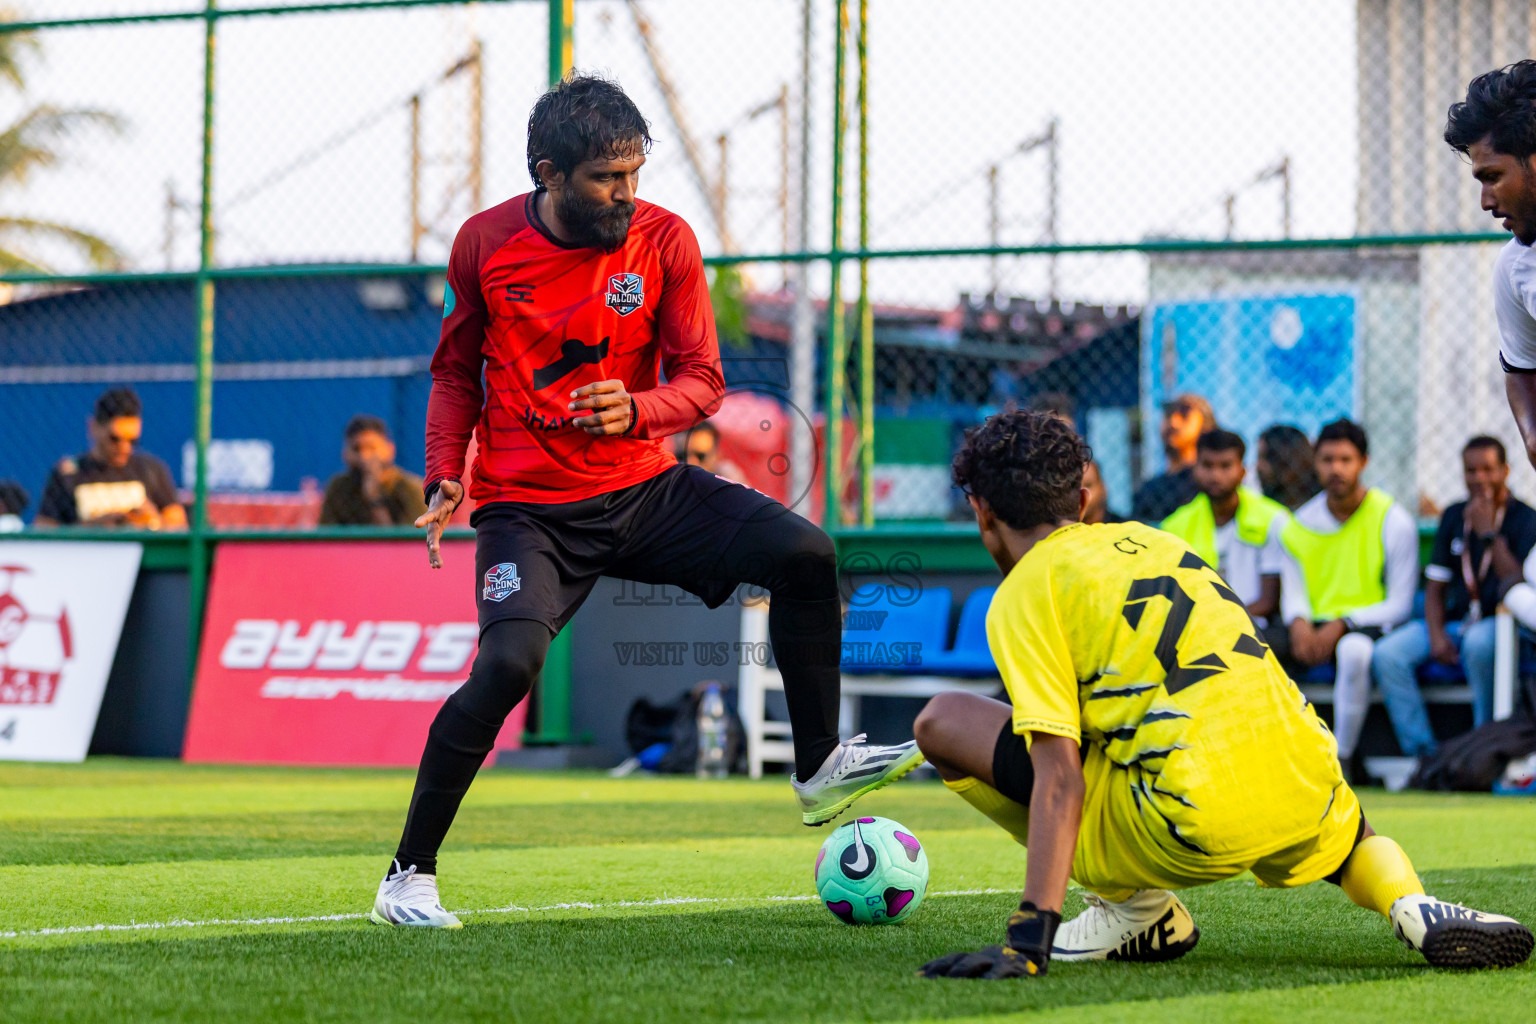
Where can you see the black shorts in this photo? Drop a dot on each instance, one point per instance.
(540, 561)
(1012, 771)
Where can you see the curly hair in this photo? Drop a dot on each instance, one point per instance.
(582, 118)
(1500, 107)
(1028, 466)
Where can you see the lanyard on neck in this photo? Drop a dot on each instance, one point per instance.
(1474, 581)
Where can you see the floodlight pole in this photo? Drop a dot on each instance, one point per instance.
(417, 228)
(477, 126)
(994, 235)
(202, 400)
(1047, 139)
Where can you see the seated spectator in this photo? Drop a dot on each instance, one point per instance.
(701, 447)
(1235, 529)
(1098, 497)
(13, 502)
(372, 491)
(1184, 420)
(112, 485)
(1284, 460)
(1478, 555)
(1349, 575)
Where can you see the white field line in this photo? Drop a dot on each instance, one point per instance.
(512, 908)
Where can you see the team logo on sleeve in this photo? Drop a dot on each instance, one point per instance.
(501, 580)
(626, 293)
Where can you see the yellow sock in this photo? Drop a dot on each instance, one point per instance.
(1377, 873)
(1013, 817)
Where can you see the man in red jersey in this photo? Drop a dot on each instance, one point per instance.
(561, 307)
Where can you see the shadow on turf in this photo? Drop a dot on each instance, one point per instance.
(781, 963)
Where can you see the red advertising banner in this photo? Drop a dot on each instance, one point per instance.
(332, 652)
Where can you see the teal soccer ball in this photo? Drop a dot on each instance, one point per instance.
(872, 871)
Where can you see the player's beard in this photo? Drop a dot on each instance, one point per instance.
(602, 226)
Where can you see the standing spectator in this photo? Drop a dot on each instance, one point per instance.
(1285, 465)
(1349, 576)
(1184, 420)
(1233, 528)
(372, 491)
(112, 484)
(14, 500)
(1097, 510)
(1477, 558)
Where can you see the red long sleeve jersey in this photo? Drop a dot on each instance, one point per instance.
(539, 319)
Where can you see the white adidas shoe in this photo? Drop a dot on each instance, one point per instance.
(849, 772)
(408, 899)
(1450, 935)
(1152, 925)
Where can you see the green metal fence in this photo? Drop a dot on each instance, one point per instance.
(916, 211)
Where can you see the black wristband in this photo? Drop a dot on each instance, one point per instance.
(634, 418)
(1031, 931)
(433, 487)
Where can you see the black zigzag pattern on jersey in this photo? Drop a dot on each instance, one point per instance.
(1121, 691)
(1193, 561)
(1250, 645)
(1173, 830)
(1162, 716)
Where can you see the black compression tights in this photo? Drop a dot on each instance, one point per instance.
(795, 562)
(510, 657)
(780, 552)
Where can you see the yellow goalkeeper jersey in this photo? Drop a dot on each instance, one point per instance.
(1121, 637)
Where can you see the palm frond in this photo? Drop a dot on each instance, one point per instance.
(11, 46)
(102, 254)
(25, 144)
(12, 262)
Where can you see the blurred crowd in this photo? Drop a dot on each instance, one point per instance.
(1329, 568)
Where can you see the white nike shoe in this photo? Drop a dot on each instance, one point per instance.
(1152, 925)
(1451, 935)
(849, 772)
(408, 899)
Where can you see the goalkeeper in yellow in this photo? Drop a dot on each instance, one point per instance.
(1152, 743)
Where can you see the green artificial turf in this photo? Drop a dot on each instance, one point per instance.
(143, 891)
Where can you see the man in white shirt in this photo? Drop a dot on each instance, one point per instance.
(1350, 573)
(1495, 127)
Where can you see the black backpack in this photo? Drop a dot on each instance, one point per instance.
(677, 724)
(1474, 761)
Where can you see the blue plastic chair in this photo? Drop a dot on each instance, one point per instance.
(874, 619)
(970, 656)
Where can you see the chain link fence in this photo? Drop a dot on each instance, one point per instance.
(1137, 197)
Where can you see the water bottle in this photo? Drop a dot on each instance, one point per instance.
(711, 761)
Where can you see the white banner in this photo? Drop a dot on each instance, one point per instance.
(62, 605)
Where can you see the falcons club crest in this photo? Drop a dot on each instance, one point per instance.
(626, 293)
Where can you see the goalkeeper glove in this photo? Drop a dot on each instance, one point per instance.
(1027, 954)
